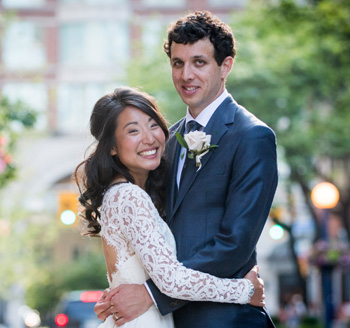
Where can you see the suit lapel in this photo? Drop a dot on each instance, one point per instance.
(173, 154)
(216, 127)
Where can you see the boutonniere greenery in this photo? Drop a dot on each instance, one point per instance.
(197, 144)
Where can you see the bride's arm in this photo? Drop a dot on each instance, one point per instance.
(136, 218)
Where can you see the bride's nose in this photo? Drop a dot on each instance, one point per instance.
(148, 137)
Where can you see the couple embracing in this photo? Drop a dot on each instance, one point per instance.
(179, 228)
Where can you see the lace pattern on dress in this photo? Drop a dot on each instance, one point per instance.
(131, 224)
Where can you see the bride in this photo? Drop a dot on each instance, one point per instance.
(121, 192)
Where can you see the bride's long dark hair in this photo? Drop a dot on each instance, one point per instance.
(94, 175)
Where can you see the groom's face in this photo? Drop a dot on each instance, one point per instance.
(197, 77)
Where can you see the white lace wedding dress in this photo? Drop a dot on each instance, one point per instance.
(145, 247)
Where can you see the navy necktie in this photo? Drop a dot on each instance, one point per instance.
(192, 126)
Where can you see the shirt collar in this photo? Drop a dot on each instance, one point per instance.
(205, 115)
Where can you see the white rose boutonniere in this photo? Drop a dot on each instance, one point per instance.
(197, 144)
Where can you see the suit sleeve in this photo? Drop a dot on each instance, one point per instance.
(253, 182)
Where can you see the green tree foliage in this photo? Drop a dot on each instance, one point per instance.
(293, 70)
(14, 117)
(26, 256)
(25, 251)
(51, 282)
(152, 74)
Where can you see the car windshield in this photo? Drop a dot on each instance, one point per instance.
(80, 310)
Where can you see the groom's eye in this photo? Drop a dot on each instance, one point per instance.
(200, 62)
(177, 63)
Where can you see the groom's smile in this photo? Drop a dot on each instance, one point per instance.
(197, 77)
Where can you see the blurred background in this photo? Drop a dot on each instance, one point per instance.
(58, 57)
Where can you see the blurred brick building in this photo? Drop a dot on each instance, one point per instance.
(60, 56)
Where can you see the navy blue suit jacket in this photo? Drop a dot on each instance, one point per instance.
(218, 213)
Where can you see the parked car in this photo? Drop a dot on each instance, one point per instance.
(76, 310)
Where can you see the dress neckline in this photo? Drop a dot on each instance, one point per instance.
(114, 184)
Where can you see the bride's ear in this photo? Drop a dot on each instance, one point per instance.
(113, 151)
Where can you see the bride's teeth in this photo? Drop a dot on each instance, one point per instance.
(148, 153)
(190, 89)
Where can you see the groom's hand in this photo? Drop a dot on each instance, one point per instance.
(128, 302)
(258, 298)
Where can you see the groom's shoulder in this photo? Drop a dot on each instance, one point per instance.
(176, 125)
(247, 122)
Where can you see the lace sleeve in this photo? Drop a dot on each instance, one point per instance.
(139, 222)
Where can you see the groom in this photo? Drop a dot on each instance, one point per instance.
(216, 213)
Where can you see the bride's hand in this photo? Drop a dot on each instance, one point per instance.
(258, 298)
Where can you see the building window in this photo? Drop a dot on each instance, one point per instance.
(164, 3)
(93, 2)
(99, 43)
(74, 105)
(23, 47)
(227, 3)
(33, 95)
(153, 34)
(23, 3)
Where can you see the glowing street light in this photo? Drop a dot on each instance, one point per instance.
(31, 317)
(326, 196)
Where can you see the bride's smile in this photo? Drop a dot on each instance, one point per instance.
(140, 143)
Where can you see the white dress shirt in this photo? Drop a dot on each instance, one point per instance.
(203, 119)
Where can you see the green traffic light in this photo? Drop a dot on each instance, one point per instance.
(276, 232)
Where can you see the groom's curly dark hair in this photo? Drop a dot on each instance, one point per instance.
(199, 25)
